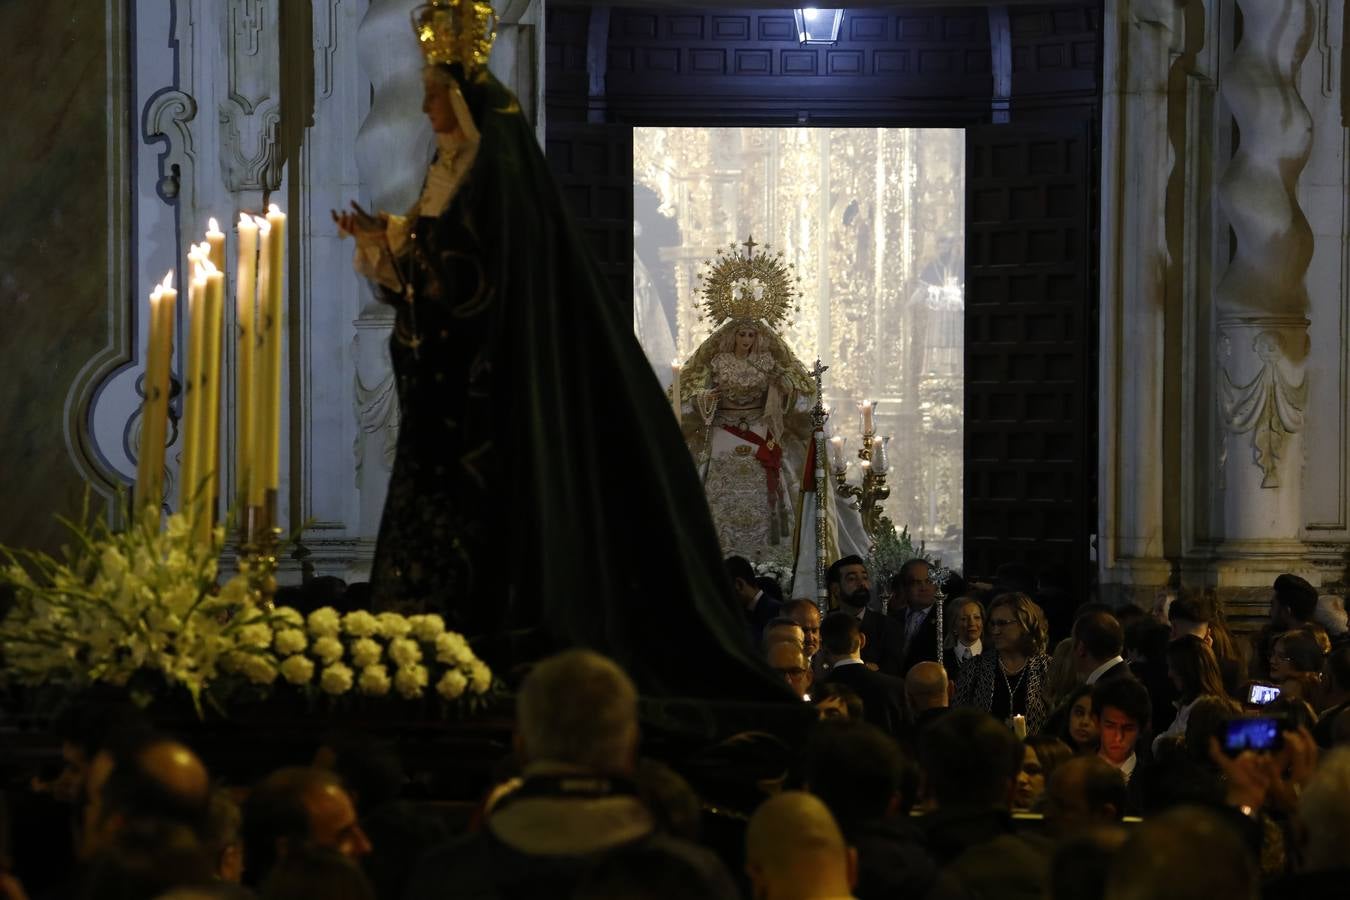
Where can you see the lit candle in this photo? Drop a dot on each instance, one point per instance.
(866, 467)
(209, 457)
(189, 485)
(257, 486)
(215, 242)
(879, 455)
(155, 408)
(866, 407)
(675, 369)
(245, 283)
(271, 311)
(1019, 727)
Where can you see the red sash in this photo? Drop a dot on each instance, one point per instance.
(769, 454)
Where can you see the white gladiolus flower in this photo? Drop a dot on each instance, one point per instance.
(392, 625)
(289, 641)
(336, 679)
(452, 684)
(324, 622)
(410, 680)
(360, 624)
(405, 652)
(298, 669)
(328, 649)
(374, 681)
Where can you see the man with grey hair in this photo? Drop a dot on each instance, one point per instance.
(575, 804)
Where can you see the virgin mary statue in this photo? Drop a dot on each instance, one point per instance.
(745, 403)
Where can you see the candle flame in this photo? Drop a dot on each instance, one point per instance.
(245, 220)
(264, 226)
(273, 209)
(167, 283)
(212, 227)
(208, 268)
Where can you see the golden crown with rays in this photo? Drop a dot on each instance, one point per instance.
(456, 31)
(752, 285)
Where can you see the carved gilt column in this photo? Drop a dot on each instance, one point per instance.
(1262, 308)
(1142, 40)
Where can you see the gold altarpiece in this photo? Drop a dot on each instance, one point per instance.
(873, 221)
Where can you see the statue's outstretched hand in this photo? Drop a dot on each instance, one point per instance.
(359, 223)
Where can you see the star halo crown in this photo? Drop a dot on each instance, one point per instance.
(456, 31)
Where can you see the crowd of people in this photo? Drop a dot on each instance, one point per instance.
(1133, 754)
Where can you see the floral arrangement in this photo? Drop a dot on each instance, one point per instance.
(143, 608)
(893, 548)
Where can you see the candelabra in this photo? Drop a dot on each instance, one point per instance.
(867, 496)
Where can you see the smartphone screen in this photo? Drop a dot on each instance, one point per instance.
(1261, 694)
(1261, 734)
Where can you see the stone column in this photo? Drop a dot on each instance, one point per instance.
(1261, 310)
(1141, 43)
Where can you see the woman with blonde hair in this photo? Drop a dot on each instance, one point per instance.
(1007, 680)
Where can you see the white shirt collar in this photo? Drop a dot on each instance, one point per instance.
(1100, 670)
(755, 602)
(964, 652)
(847, 661)
(1126, 768)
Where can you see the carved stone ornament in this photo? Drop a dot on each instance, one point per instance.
(1270, 406)
(250, 114)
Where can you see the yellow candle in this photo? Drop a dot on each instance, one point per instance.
(257, 486)
(215, 242)
(246, 335)
(155, 409)
(209, 458)
(675, 369)
(190, 471)
(274, 245)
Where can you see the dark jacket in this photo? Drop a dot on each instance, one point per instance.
(892, 860)
(924, 646)
(885, 647)
(883, 696)
(982, 855)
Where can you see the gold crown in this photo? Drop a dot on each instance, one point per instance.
(752, 285)
(456, 31)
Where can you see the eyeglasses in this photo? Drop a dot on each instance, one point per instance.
(1002, 623)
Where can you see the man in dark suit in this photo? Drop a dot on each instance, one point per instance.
(842, 643)
(913, 605)
(760, 608)
(850, 588)
(1098, 641)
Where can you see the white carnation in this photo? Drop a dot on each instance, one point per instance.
(365, 652)
(289, 641)
(410, 680)
(258, 669)
(452, 684)
(392, 625)
(405, 652)
(452, 649)
(324, 622)
(336, 679)
(480, 677)
(298, 669)
(328, 649)
(360, 624)
(287, 616)
(427, 627)
(374, 681)
(257, 634)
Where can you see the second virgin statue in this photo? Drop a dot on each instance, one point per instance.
(745, 403)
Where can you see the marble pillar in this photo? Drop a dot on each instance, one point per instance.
(1261, 311)
(1141, 41)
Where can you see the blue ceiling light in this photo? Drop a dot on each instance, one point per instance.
(818, 26)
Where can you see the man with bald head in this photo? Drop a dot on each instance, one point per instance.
(1083, 791)
(795, 851)
(142, 777)
(927, 697)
